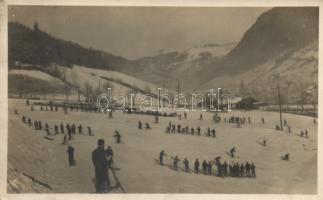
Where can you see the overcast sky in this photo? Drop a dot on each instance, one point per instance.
(134, 32)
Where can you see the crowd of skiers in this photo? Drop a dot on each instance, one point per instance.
(173, 129)
(214, 167)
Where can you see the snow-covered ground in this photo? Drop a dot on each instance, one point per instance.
(30, 153)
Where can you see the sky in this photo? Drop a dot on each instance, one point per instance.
(135, 32)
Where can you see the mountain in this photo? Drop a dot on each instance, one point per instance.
(36, 47)
(168, 66)
(283, 42)
(275, 31)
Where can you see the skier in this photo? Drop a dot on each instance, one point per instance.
(46, 126)
(173, 128)
(117, 136)
(109, 153)
(253, 170)
(248, 167)
(62, 128)
(225, 169)
(73, 129)
(101, 168)
(167, 129)
(65, 139)
(213, 132)
(209, 168)
(208, 131)
(178, 128)
(161, 157)
(192, 131)
(204, 167)
(39, 125)
(139, 125)
(219, 166)
(285, 157)
(36, 125)
(56, 129)
(242, 169)
(175, 162)
(186, 165)
(147, 126)
(70, 152)
(89, 131)
(80, 129)
(198, 130)
(24, 119)
(196, 166)
(232, 151)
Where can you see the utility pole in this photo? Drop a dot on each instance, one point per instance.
(78, 94)
(99, 86)
(178, 87)
(280, 108)
(66, 93)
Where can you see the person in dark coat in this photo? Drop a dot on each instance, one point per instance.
(225, 169)
(253, 170)
(186, 165)
(139, 125)
(198, 130)
(196, 166)
(70, 152)
(80, 128)
(175, 162)
(232, 151)
(117, 136)
(24, 119)
(161, 157)
(100, 163)
(89, 131)
(213, 133)
(178, 128)
(204, 167)
(248, 167)
(56, 129)
(62, 128)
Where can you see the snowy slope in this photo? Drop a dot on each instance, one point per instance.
(139, 173)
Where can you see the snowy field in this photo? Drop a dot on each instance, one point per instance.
(46, 160)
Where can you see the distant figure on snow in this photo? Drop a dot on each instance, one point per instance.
(70, 152)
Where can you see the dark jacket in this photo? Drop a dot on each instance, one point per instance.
(99, 160)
